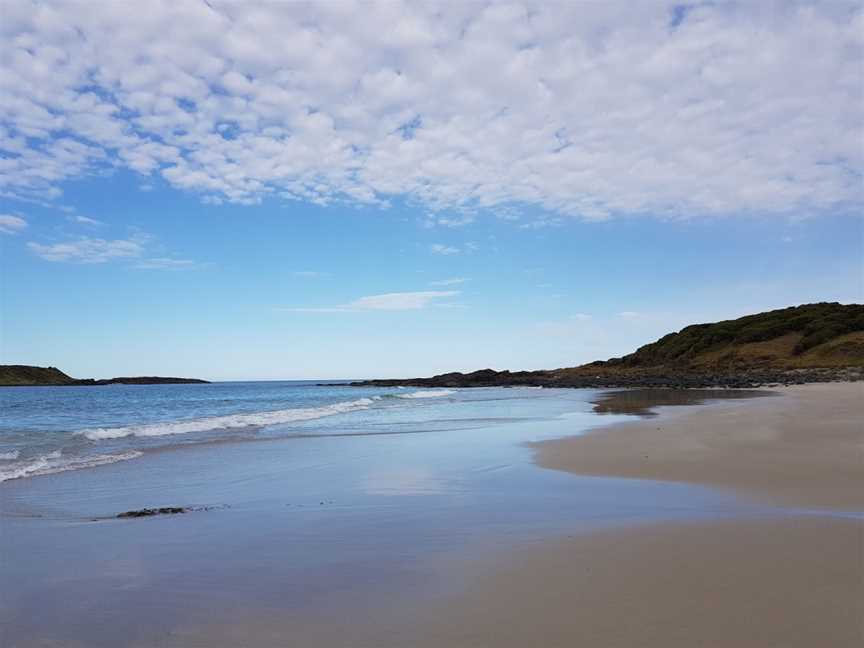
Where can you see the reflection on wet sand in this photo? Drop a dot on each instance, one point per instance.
(642, 402)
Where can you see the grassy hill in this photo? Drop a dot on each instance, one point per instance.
(812, 335)
(806, 343)
(24, 375)
(27, 375)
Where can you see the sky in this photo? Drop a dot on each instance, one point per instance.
(235, 190)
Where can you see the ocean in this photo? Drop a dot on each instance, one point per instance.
(48, 430)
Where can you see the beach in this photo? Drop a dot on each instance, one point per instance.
(431, 325)
(791, 579)
(804, 448)
(422, 523)
(790, 576)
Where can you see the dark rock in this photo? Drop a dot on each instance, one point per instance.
(149, 512)
(660, 377)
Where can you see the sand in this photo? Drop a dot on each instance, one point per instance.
(788, 578)
(734, 584)
(802, 449)
(780, 583)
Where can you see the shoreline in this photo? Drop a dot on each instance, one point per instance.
(804, 449)
(791, 578)
(425, 541)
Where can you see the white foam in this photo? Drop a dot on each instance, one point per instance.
(227, 422)
(431, 393)
(54, 463)
(9, 456)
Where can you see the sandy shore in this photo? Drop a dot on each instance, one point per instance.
(787, 581)
(757, 584)
(779, 583)
(396, 572)
(802, 449)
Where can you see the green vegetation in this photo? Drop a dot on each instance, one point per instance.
(801, 343)
(809, 343)
(797, 332)
(26, 375)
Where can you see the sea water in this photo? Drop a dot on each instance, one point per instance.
(54, 429)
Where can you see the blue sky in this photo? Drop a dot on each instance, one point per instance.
(218, 201)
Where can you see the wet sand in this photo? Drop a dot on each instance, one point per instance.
(735, 584)
(776, 583)
(786, 581)
(779, 577)
(790, 578)
(645, 401)
(803, 449)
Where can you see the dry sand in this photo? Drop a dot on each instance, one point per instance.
(803, 449)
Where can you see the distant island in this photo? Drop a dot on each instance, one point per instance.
(809, 343)
(25, 375)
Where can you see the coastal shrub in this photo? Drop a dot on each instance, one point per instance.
(817, 323)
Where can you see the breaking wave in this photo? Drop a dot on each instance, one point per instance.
(431, 393)
(54, 462)
(9, 456)
(227, 422)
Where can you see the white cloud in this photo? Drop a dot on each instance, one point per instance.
(137, 249)
(83, 220)
(448, 282)
(629, 315)
(401, 301)
(541, 223)
(459, 220)
(89, 250)
(585, 109)
(446, 250)
(10, 224)
(386, 302)
(581, 317)
(166, 263)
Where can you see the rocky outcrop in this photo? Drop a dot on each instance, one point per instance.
(150, 512)
(658, 377)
